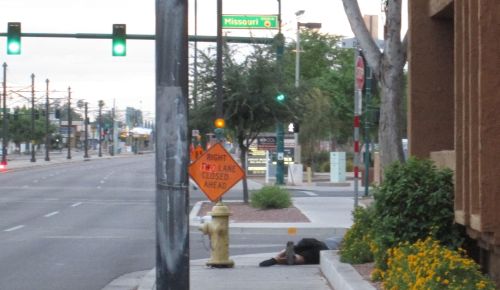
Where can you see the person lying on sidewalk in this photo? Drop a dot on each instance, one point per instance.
(305, 252)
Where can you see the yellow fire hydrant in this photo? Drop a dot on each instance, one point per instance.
(218, 231)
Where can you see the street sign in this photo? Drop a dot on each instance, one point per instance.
(360, 73)
(250, 21)
(215, 172)
(266, 143)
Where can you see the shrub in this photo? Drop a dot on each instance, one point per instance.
(271, 197)
(355, 247)
(414, 201)
(428, 265)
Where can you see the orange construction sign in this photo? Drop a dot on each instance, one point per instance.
(215, 172)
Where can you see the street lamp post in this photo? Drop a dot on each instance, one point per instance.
(310, 25)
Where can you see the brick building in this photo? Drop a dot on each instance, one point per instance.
(454, 108)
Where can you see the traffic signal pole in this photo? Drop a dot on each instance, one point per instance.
(172, 182)
(196, 38)
(280, 131)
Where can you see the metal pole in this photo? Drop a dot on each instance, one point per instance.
(47, 135)
(69, 123)
(297, 57)
(33, 159)
(4, 123)
(357, 113)
(86, 144)
(195, 77)
(219, 84)
(280, 134)
(112, 152)
(297, 84)
(172, 158)
(368, 86)
(99, 132)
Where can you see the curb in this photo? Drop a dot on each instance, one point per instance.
(126, 281)
(340, 275)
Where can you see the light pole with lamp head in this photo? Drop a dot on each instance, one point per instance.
(310, 25)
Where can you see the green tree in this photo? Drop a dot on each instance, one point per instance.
(19, 127)
(388, 67)
(326, 89)
(250, 87)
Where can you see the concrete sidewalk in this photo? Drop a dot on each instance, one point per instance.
(328, 215)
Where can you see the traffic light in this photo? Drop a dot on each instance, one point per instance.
(280, 98)
(119, 40)
(14, 38)
(219, 123)
(58, 114)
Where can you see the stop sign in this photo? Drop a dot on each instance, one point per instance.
(360, 73)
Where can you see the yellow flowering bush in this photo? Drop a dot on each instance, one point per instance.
(356, 244)
(428, 265)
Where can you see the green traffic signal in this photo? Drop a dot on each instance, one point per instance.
(119, 40)
(280, 98)
(14, 38)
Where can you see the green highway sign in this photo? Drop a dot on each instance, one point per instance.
(250, 21)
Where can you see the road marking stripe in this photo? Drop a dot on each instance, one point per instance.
(255, 246)
(14, 228)
(51, 214)
(310, 193)
(76, 204)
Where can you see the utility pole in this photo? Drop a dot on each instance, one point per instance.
(86, 155)
(33, 159)
(4, 123)
(99, 132)
(69, 123)
(112, 152)
(172, 158)
(47, 135)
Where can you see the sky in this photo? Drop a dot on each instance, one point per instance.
(86, 65)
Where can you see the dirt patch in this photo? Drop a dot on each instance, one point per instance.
(243, 213)
(365, 270)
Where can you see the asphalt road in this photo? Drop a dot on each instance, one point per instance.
(81, 225)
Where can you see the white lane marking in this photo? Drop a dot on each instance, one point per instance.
(51, 214)
(35, 181)
(98, 187)
(255, 246)
(310, 193)
(14, 228)
(102, 181)
(85, 237)
(76, 204)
